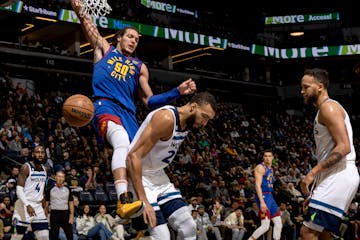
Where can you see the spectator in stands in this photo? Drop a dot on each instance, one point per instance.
(193, 204)
(235, 222)
(352, 221)
(1, 230)
(24, 155)
(88, 228)
(217, 212)
(288, 229)
(10, 189)
(214, 190)
(6, 213)
(67, 167)
(73, 180)
(88, 180)
(25, 143)
(14, 173)
(15, 145)
(99, 176)
(3, 142)
(115, 110)
(224, 193)
(204, 220)
(200, 233)
(252, 218)
(110, 223)
(202, 190)
(297, 196)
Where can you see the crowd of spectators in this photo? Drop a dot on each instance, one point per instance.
(213, 170)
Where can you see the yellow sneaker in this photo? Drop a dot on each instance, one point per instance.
(126, 208)
(139, 235)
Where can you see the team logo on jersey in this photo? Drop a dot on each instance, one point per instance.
(175, 144)
(316, 131)
(122, 68)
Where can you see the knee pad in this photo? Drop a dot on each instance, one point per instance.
(277, 227)
(117, 136)
(264, 227)
(42, 234)
(183, 223)
(160, 232)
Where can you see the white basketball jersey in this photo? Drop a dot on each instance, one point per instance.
(324, 142)
(162, 154)
(336, 187)
(35, 184)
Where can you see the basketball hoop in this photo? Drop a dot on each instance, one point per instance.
(96, 7)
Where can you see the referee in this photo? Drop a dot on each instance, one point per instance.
(59, 201)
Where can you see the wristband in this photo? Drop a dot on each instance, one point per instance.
(163, 98)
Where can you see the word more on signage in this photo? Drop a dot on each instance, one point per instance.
(291, 19)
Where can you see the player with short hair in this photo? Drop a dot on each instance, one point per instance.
(118, 78)
(268, 208)
(335, 178)
(29, 208)
(154, 147)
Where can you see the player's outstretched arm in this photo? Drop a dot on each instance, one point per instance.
(89, 28)
(154, 101)
(187, 87)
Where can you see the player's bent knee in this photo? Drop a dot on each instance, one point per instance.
(264, 227)
(277, 227)
(182, 222)
(42, 234)
(160, 232)
(117, 136)
(188, 230)
(305, 232)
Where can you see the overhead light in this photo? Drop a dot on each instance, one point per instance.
(46, 19)
(296, 34)
(87, 51)
(189, 58)
(195, 50)
(28, 26)
(87, 44)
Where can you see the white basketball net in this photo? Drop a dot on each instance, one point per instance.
(96, 7)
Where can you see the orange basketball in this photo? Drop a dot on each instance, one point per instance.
(78, 110)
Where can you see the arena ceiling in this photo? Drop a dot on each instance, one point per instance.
(245, 22)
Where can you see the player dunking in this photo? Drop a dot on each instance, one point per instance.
(264, 179)
(29, 208)
(117, 79)
(335, 177)
(154, 147)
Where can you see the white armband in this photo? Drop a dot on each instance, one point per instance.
(21, 195)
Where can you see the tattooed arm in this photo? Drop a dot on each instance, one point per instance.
(332, 116)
